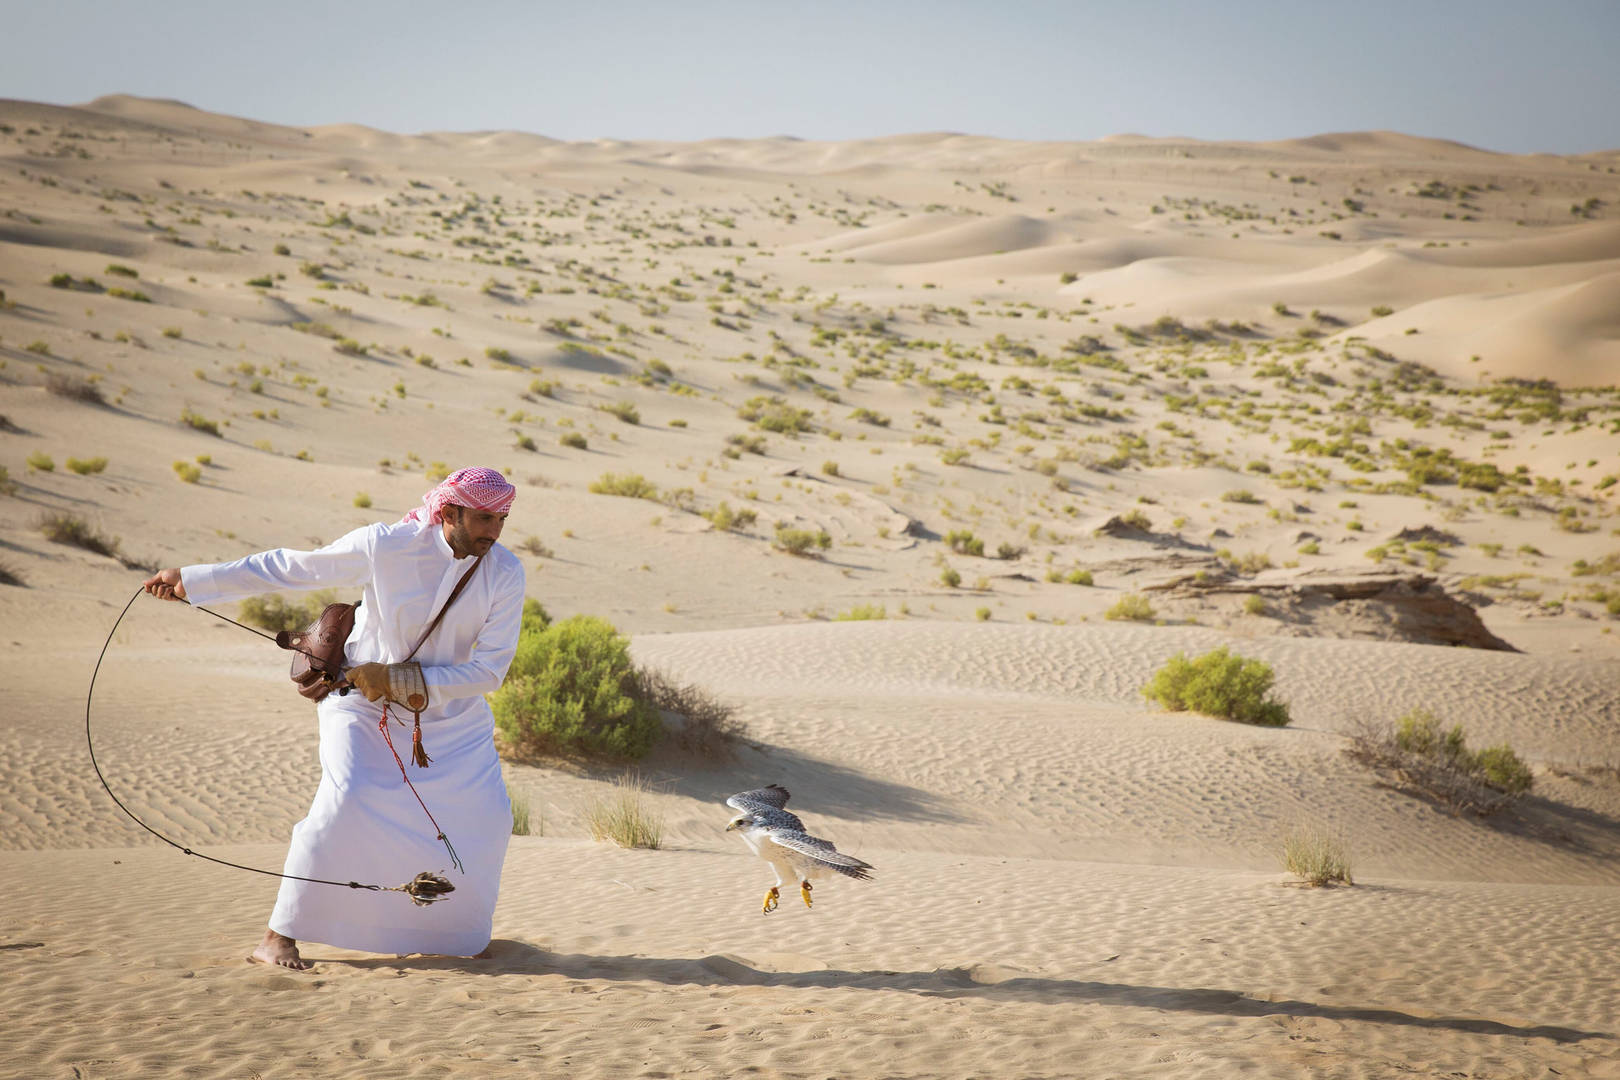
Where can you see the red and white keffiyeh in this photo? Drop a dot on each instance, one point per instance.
(480, 489)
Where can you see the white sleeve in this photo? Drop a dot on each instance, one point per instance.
(344, 562)
(493, 650)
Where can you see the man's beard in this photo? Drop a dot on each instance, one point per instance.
(462, 542)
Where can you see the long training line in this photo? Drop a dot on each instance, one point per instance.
(421, 895)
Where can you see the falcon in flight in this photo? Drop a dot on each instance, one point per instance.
(779, 838)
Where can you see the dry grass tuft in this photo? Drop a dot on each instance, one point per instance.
(1316, 854)
(624, 816)
(521, 814)
(76, 532)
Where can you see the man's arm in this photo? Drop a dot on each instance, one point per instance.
(344, 562)
(484, 671)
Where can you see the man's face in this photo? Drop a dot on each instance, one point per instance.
(471, 532)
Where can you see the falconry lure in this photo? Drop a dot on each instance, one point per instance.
(779, 838)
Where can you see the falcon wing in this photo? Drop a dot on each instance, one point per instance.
(822, 852)
(773, 797)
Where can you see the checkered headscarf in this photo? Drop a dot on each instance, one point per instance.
(480, 489)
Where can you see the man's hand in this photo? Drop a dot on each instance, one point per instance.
(370, 679)
(165, 585)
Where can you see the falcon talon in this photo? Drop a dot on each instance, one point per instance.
(780, 839)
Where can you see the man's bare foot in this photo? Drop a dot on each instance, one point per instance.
(279, 950)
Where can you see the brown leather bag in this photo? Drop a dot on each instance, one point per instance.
(317, 663)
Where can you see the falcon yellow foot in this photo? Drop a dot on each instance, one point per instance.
(770, 899)
(804, 891)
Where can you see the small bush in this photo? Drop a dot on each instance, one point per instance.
(274, 612)
(85, 467)
(200, 423)
(571, 689)
(1082, 577)
(1254, 604)
(76, 532)
(706, 726)
(263, 281)
(863, 613)
(40, 461)
(536, 547)
(723, 517)
(963, 542)
(624, 816)
(801, 541)
(628, 485)
(950, 577)
(624, 410)
(130, 294)
(1316, 854)
(362, 501)
(1419, 756)
(187, 472)
(1219, 684)
(1133, 607)
(77, 389)
(573, 439)
(119, 270)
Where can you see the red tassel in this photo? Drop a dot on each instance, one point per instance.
(418, 755)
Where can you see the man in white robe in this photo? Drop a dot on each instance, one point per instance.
(364, 823)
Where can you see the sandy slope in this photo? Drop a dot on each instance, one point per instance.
(1070, 882)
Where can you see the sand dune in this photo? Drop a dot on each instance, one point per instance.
(1006, 391)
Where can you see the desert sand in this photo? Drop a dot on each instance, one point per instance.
(1341, 403)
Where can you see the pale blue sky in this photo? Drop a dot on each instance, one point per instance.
(1512, 75)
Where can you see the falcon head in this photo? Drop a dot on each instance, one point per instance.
(742, 821)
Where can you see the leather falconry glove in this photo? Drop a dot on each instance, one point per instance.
(402, 684)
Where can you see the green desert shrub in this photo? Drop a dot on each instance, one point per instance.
(40, 461)
(1316, 854)
(571, 689)
(624, 410)
(801, 541)
(627, 485)
(963, 542)
(1418, 754)
(863, 613)
(187, 472)
(275, 612)
(573, 439)
(1219, 684)
(197, 422)
(1133, 607)
(724, 518)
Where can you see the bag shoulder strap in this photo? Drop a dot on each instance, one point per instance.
(434, 625)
